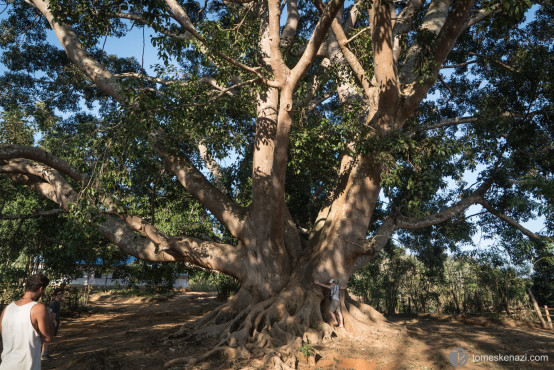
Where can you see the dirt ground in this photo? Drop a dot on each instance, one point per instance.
(131, 334)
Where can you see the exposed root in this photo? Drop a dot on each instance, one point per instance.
(274, 329)
(218, 320)
(230, 354)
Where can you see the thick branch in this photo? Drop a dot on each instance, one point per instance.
(453, 27)
(396, 221)
(377, 242)
(8, 152)
(101, 77)
(289, 31)
(38, 214)
(153, 245)
(33, 182)
(410, 223)
(280, 69)
(350, 57)
(404, 20)
(220, 257)
(41, 178)
(321, 29)
(224, 209)
(433, 22)
(403, 24)
(510, 221)
(210, 163)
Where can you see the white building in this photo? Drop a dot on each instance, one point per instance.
(106, 280)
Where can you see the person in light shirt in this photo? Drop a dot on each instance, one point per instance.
(335, 301)
(24, 325)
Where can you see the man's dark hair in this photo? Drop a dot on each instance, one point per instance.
(34, 282)
(57, 291)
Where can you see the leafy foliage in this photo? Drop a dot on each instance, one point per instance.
(502, 78)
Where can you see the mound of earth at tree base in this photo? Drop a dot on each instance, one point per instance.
(134, 336)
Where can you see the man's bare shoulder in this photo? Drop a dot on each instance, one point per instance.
(38, 309)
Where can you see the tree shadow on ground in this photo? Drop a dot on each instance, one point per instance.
(431, 340)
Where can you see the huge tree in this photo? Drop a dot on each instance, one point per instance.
(303, 133)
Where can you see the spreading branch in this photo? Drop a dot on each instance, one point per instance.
(510, 221)
(396, 221)
(99, 75)
(8, 152)
(445, 123)
(38, 214)
(198, 252)
(463, 120)
(223, 208)
(149, 243)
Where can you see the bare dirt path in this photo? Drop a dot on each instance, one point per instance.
(130, 334)
(429, 340)
(125, 333)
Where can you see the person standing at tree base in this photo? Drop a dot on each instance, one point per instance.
(23, 324)
(335, 301)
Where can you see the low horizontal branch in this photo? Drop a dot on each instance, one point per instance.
(38, 214)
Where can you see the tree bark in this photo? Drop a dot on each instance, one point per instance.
(536, 307)
(505, 303)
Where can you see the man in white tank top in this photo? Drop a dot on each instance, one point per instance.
(24, 324)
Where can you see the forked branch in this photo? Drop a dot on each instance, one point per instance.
(350, 57)
(182, 17)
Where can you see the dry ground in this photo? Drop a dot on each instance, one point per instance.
(130, 334)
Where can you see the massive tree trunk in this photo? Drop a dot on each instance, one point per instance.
(275, 323)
